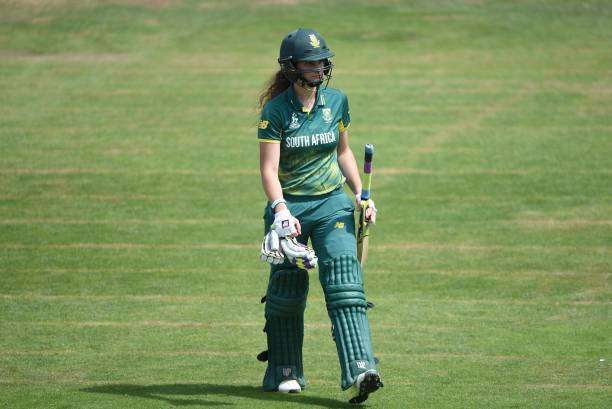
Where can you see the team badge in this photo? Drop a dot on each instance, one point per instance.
(295, 121)
(314, 41)
(327, 115)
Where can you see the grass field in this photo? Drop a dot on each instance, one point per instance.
(130, 201)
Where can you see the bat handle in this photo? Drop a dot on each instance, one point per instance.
(367, 171)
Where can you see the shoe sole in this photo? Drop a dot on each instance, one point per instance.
(290, 391)
(298, 389)
(371, 383)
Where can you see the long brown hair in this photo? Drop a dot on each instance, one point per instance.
(277, 84)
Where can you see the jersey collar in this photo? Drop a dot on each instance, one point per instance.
(295, 101)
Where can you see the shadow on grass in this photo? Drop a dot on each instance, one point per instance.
(166, 393)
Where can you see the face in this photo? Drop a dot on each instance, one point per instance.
(312, 70)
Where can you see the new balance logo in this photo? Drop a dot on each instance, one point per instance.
(361, 364)
(339, 225)
(286, 372)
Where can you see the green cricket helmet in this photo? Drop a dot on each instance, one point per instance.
(304, 44)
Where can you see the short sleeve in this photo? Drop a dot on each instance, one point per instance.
(269, 128)
(345, 121)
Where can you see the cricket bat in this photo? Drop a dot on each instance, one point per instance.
(363, 232)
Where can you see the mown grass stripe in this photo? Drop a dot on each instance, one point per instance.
(446, 197)
(125, 270)
(553, 223)
(205, 298)
(186, 324)
(556, 223)
(239, 246)
(390, 171)
(226, 353)
(371, 270)
(468, 122)
(476, 247)
(131, 246)
(53, 379)
(128, 297)
(214, 221)
(102, 171)
(322, 325)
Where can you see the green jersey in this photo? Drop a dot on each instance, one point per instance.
(308, 140)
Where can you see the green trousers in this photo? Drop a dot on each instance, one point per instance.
(328, 221)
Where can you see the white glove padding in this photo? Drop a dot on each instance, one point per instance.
(299, 254)
(370, 205)
(284, 223)
(271, 250)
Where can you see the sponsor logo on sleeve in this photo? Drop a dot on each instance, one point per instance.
(263, 124)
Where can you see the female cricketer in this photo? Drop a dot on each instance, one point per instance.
(305, 159)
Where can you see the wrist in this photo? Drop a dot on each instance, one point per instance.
(278, 205)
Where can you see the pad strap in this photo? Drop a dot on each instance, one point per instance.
(345, 295)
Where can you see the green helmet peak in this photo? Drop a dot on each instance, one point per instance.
(304, 44)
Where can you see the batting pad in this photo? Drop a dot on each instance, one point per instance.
(285, 304)
(346, 306)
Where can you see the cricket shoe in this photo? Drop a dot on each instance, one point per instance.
(365, 384)
(290, 386)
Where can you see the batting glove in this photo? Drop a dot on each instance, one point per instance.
(271, 250)
(299, 254)
(284, 223)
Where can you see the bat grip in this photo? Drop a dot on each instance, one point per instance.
(367, 170)
(369, 152)
(365, 194)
